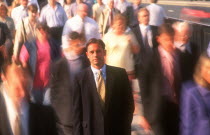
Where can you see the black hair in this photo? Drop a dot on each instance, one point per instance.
(95, 41)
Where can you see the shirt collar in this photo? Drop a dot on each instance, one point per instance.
(96, 71)
(144, 27)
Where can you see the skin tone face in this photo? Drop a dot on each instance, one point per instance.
(143, 17)
(96, 54)
(119, 27)
(136, 2)
(76, 46)
(82, 10)
(32, 15)
(182, 36)
(15, 83)
(24, 2)
(166, 41)
(3, 11)
(205, 71)
(111, 4)
(99, 2)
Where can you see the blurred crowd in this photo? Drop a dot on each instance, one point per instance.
(105, 67)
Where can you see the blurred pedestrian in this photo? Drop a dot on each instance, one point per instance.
(121, 46)
(195, 107)
(20, 12)
(55, 17)
(39, 54)
(82, 24)
(25, 30)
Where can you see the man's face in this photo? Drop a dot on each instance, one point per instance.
(82, 11)
(143, 17)
(15, 84)
(166, 41)
(137, 2)
(182, 36)
(96, 54)
(111, 4)
(24, 2)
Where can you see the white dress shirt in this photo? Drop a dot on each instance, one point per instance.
(18, 14)
(12, 113)
(76, 24)
(183, 47)
(157, 14)
(122, 6)
(96, 73)
(54, 17)
(145, 29)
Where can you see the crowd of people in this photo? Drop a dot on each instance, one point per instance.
(68, 68)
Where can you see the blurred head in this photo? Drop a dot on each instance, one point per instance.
(166, 37)
(24, 2)
(202, 71)
(17, 82)
(3, 10)
(68, 1)
(136, 2)
(119, 24)
(32, 11)
(82, 10)
(153, 1)
(110, 4)
(76, 44)
(96, 52)
(143, 16)
(99, 2)
(79, 1)
(52, 2)
(42, 31)
(183, 32)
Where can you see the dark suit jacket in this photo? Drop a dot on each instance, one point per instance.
(194, 110)
(41, 120)
(161, 112)
(188, 61)
(142, 57)
(61, 93)
(89, 119)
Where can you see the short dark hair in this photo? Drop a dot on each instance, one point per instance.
(74, 35)
(43, 26)
(95, 41)
(33, 8)
(166, 28)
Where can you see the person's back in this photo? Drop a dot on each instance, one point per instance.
(157, 14)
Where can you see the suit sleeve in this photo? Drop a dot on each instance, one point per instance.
(77, 108)
(128, 103)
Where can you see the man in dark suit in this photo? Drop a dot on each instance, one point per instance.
(63, 73)
(189, 52)
(17, 115)
(102, 99)
(146, 37)
(160, 86)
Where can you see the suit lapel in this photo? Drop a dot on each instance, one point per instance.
(109, 85)
(93, 88)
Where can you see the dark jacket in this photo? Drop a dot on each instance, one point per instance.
(89, 119)
(61, 85)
